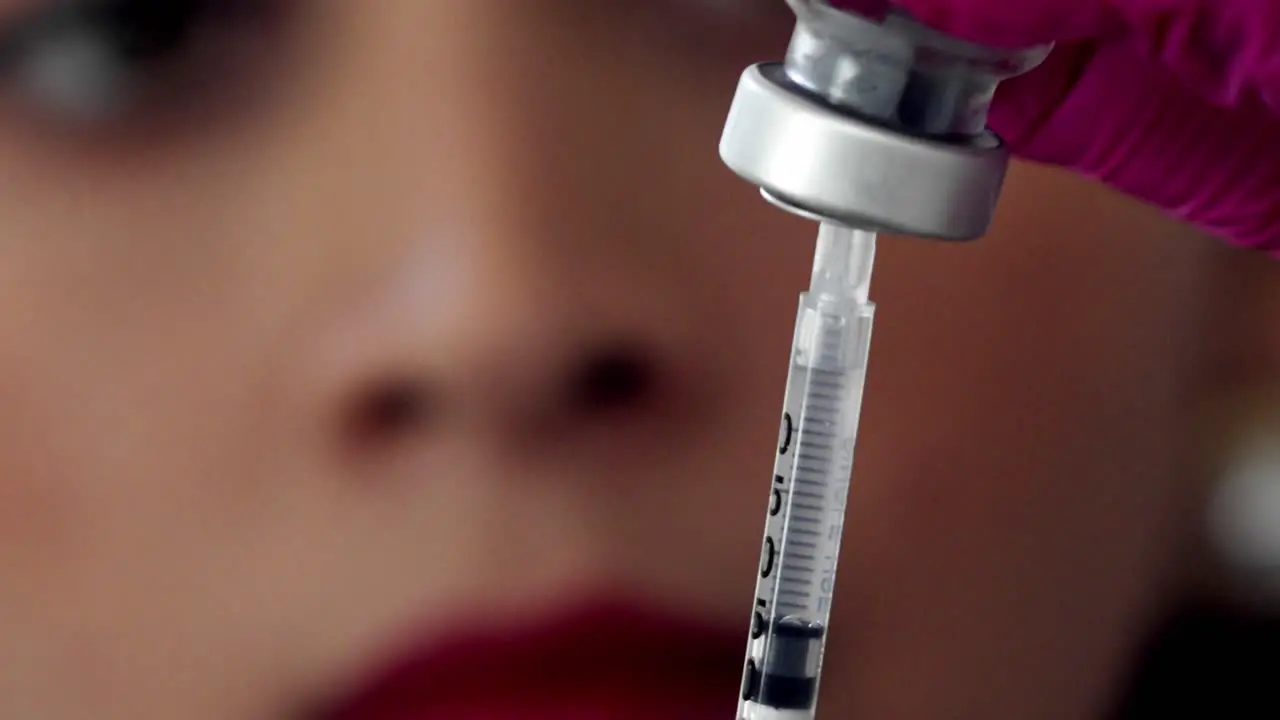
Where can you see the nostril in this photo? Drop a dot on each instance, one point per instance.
(612, 380)
(388, 412)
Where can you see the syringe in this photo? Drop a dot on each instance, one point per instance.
(871, 124)
(811, 480)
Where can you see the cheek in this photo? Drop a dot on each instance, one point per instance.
(1018, 476)
(128, 433)
(107, 417)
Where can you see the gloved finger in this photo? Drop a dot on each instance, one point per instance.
(1110, 113)
(1227, 50)
(1003, 23)
(1138, 99)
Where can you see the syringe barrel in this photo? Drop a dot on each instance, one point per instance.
(806, 507)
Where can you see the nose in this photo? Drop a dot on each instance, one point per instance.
(498, 338)
(517, 286)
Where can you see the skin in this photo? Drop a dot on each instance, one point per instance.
(197, 520)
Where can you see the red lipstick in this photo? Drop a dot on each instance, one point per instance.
(608, 662)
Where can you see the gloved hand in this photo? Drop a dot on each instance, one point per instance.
(1176, 102)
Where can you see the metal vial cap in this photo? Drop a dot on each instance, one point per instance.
(875, 123)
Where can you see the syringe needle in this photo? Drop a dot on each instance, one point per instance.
(842, 262)
(811, 481)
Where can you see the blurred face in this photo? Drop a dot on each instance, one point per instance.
(337, 337)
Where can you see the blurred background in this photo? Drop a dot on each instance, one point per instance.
(500, 231)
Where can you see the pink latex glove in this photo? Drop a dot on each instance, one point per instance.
(1176, 102)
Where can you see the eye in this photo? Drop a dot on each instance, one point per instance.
(95, 62)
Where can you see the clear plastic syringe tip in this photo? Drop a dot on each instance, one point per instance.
(842, 263)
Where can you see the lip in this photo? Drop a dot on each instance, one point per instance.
(611, 661)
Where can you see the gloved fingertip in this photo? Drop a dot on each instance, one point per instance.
(1124, 120)
(1002, 23)
(869, 8)
(1024, 107)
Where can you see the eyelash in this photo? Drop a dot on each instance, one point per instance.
(103, 64)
